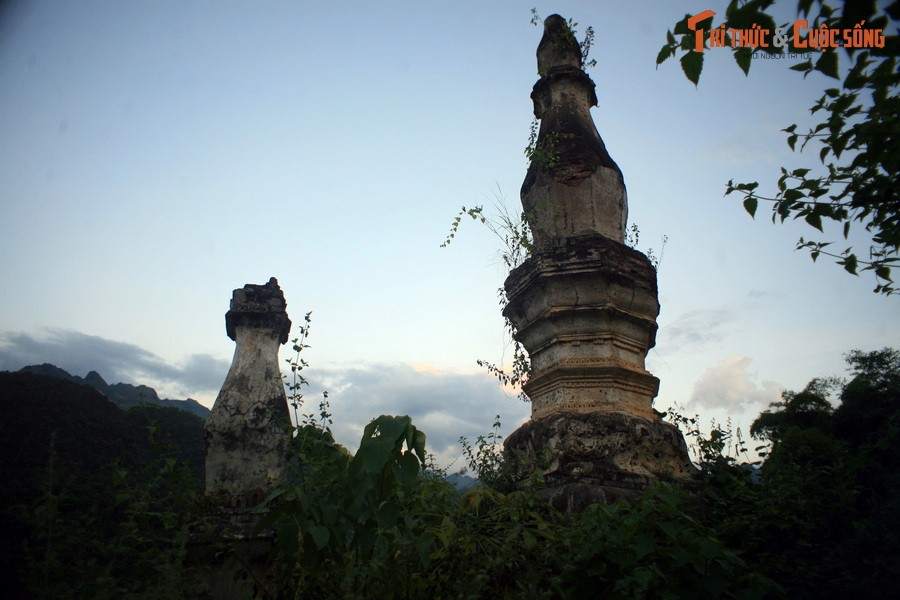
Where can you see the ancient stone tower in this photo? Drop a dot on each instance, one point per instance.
(248, 430)
(247, 437)
(584, 305)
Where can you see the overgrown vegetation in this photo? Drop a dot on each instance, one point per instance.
(816, 517)
(808, 523)
(569, 36)
(94, 499)
(383, 523)
(858, 184)
(517, 245)
(814, 520)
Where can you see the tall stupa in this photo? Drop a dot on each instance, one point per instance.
(584, 306)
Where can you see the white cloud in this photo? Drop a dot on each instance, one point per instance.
(443, 404)
(729, 385)
(695, 328)
(78, 353)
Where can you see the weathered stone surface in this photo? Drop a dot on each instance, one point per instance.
(248, 430)
(247, 437)
(599, 457)
(574, 187)
(585, 309)
(259, 307)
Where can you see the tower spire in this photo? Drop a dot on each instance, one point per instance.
(573, 186)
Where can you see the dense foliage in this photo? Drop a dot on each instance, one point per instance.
(813, 522)
(372, 525)
(820, 515)
(91, 495)
(109, 516)
(858, 137)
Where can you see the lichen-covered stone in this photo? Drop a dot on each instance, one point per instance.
(248, 430)
(259, 307)
(598, 456)
(585, 309)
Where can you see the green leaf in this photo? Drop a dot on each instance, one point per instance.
(665, 53)
(643, 546)
(418, 445)
(804, 66)
(407, 470)
(750, 205)
(692, 64)
(681, 27)
(792, 195)
(366, 538)
(320, 536)
(743, 57)
(286, 537)
(267, 520)
(380, 440)
(828, 64)
(814, 220)
(388, 514)
(783, 209)
(849, 264)
(446, 532)
(825, 210)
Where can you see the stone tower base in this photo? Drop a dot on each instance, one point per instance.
(599, 457)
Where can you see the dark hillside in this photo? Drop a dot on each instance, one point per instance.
(124, 395)
(63, 445)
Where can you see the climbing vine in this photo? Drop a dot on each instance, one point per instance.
(571, 34)
(297, 381)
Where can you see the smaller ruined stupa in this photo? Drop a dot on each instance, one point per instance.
(584, 305)
(247, 437)
(248, 430)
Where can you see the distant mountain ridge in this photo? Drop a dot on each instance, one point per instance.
(123, 395)
(461, 481)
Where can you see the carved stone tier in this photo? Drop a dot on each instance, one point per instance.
(585, 309)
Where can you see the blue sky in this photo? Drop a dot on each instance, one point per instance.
(156, 155)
